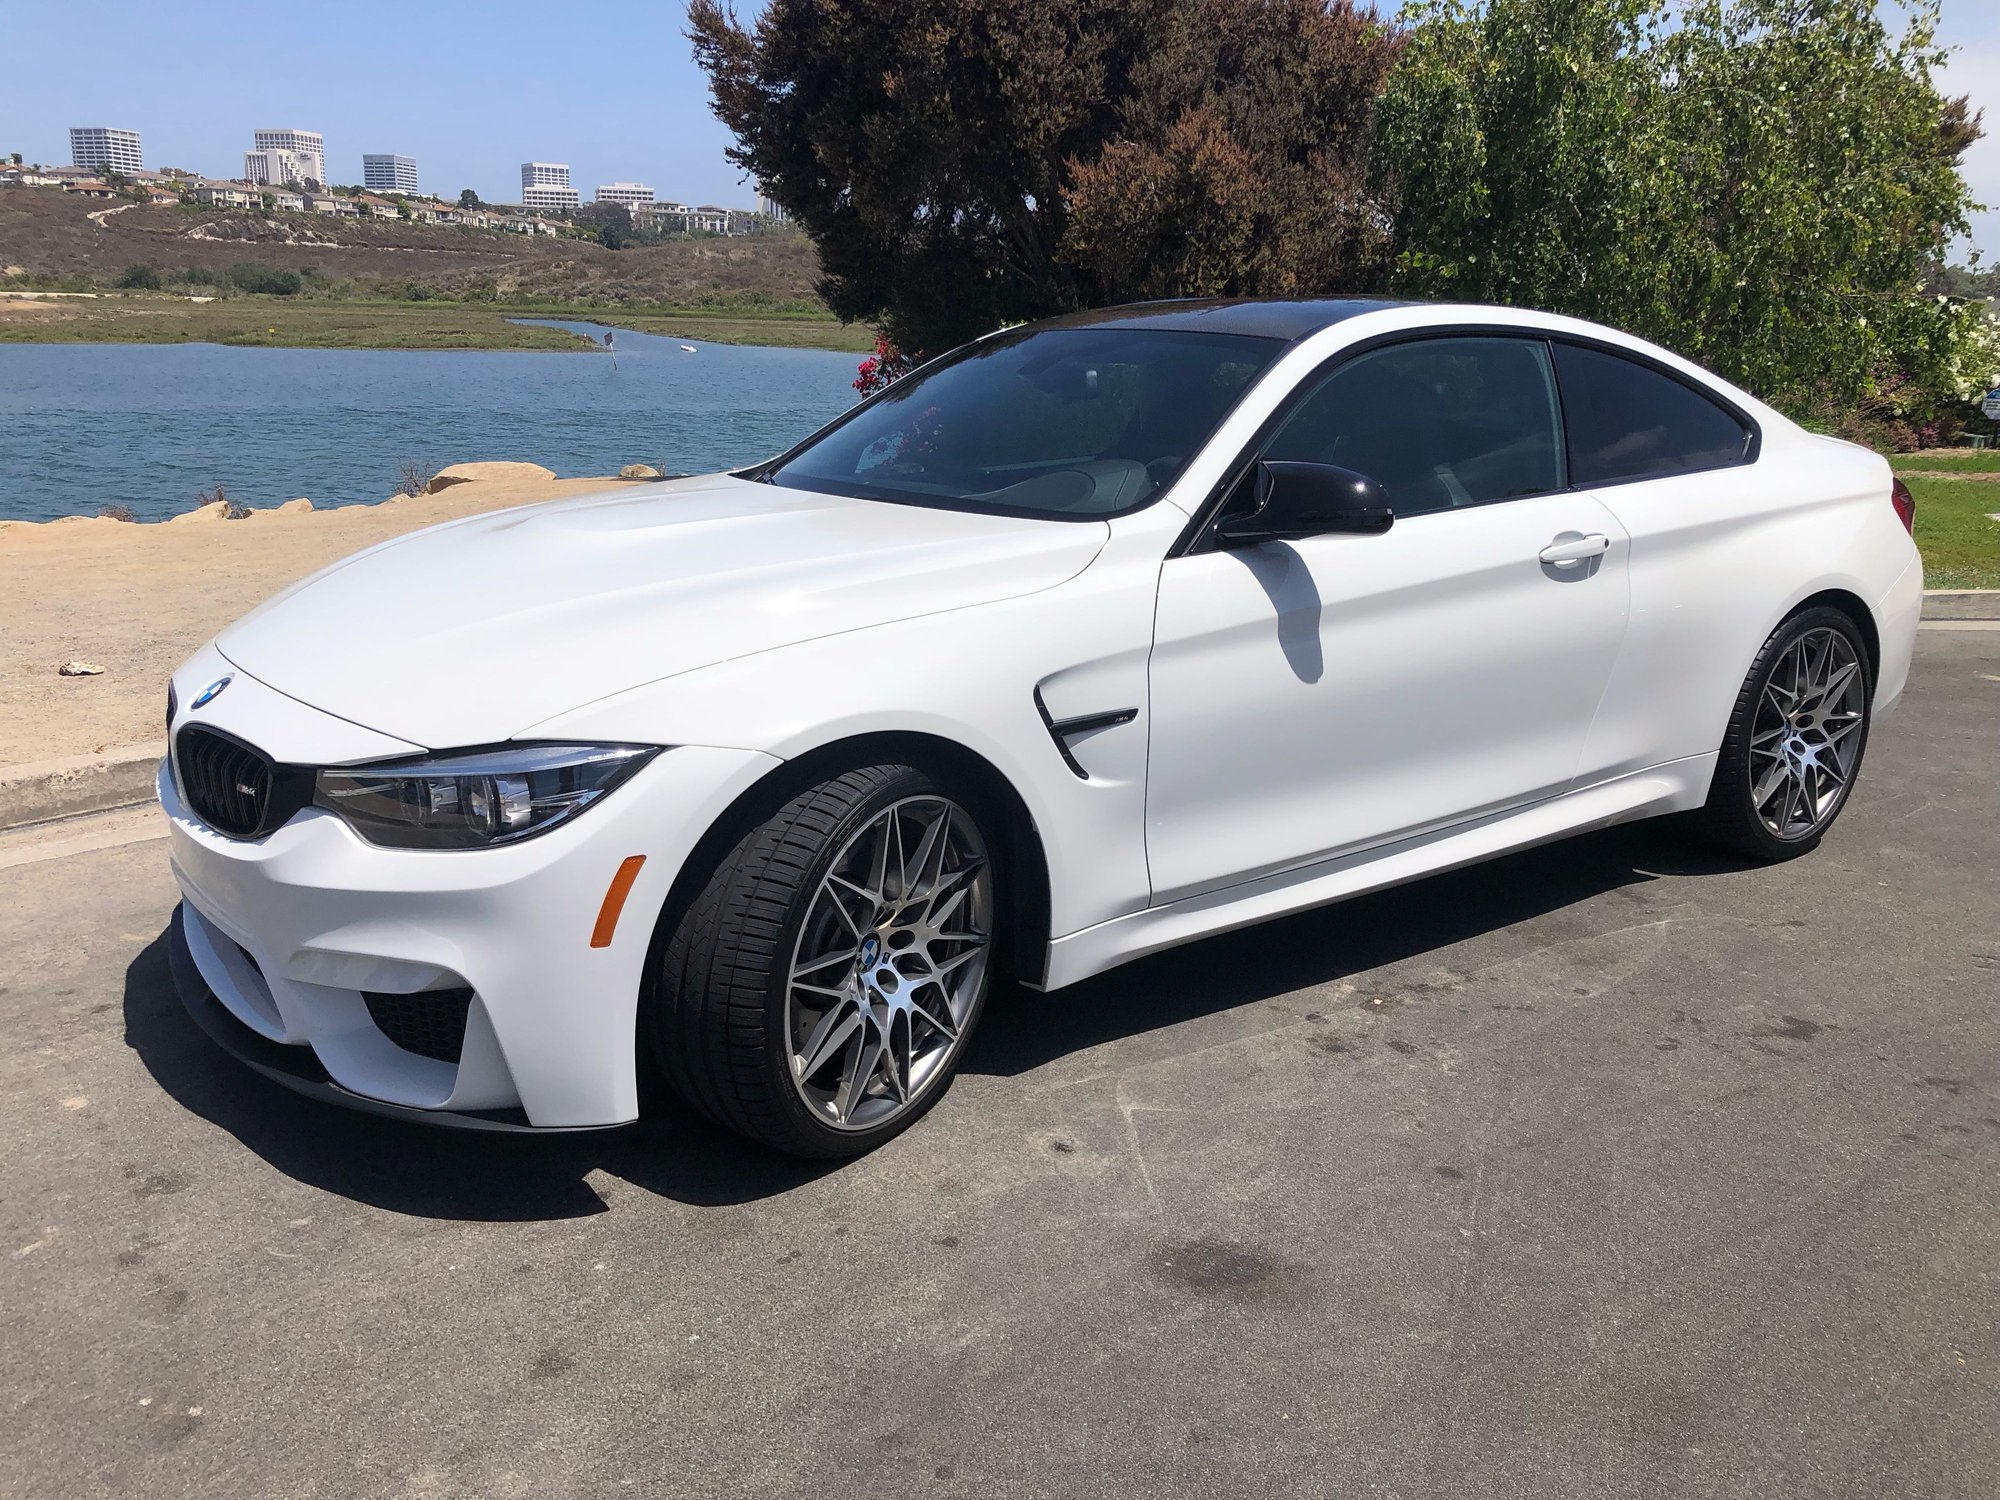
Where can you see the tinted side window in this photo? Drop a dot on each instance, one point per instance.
(1436, 422)
(1629, 422)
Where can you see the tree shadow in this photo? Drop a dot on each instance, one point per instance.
(451, 1174)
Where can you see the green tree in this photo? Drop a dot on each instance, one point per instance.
(140, 278)
(609, 223)
(257, 276)
(467, 198)
(1762, 185)
(960, 164)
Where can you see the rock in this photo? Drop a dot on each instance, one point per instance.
(218, 511)
(638, 471)
(289, 508)
(453, 474)
(79, 669)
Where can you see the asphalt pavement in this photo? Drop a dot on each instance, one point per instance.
(1608, 1169)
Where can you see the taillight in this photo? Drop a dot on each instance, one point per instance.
(1905, 503)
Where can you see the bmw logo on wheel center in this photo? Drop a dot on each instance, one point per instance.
(210, 693)
(871, 949)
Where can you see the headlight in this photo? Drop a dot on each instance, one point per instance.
(477, 798)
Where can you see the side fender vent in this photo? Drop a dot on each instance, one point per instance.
(1062, 731)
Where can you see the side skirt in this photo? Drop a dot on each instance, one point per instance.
(1677, 786)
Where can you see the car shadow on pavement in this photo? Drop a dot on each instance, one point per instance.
(1023, 1030)
(428, 1171)
(451, 1174)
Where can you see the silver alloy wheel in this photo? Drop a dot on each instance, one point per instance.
(1807, 731)
(889, 963)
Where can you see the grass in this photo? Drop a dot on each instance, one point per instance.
(1975, 462)
(275, 322)
(792, 330)
(1960, 544)
(307, 323)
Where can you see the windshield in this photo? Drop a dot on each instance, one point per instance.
(1065, 423)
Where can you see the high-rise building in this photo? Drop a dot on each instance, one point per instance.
(769, 207)
(105, 148)
(382, 173)
(627, 193)
(307, 147)
(545, 184)
(276, 168)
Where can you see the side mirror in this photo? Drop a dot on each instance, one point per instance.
(1301, 500)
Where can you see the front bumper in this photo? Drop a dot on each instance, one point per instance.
(298, 1068)
(287, 938)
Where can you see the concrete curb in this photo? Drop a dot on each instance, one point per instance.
(38, 791)
(1962, 604)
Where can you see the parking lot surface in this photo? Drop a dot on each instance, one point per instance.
(1605, 1169)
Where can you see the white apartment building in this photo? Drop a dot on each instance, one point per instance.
(385, 173)
(104, 148)
(273, 168)
(770, 208)
(545, 184)
(308, 146)
(627, 193)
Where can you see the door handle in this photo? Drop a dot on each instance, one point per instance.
(1576, 550)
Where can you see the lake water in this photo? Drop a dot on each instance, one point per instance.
(149, 425)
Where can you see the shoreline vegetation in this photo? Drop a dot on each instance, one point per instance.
(255, 321)
(74, 272)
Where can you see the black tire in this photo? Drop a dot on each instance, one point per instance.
(718, 1011)
(1730, 819)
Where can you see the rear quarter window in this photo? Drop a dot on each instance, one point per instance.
(1627, 421)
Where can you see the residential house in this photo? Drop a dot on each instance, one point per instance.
(321, 203)
(291, 200)
(372, 207)
(161, 196)
(11, 176)
(90, 187)
(228, 195)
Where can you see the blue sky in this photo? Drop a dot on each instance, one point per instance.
(474, 90)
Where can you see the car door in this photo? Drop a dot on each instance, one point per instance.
(1316, 697)
(1714, 548)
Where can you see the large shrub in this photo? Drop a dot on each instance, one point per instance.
(1762, 185)
(256, 276)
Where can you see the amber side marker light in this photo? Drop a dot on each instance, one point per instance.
(614, 901)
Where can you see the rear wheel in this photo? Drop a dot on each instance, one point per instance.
(818, 993)
(1795, 740)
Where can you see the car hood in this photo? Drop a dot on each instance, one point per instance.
(470, 632)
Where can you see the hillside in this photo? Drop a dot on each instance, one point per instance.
(49, 237)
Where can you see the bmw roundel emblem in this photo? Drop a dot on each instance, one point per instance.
(871, 949)
(210, 693)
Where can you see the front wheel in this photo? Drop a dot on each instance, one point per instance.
(818, 993)
(1793, 751)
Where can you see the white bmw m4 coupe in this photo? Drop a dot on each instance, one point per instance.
(1084, 640)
